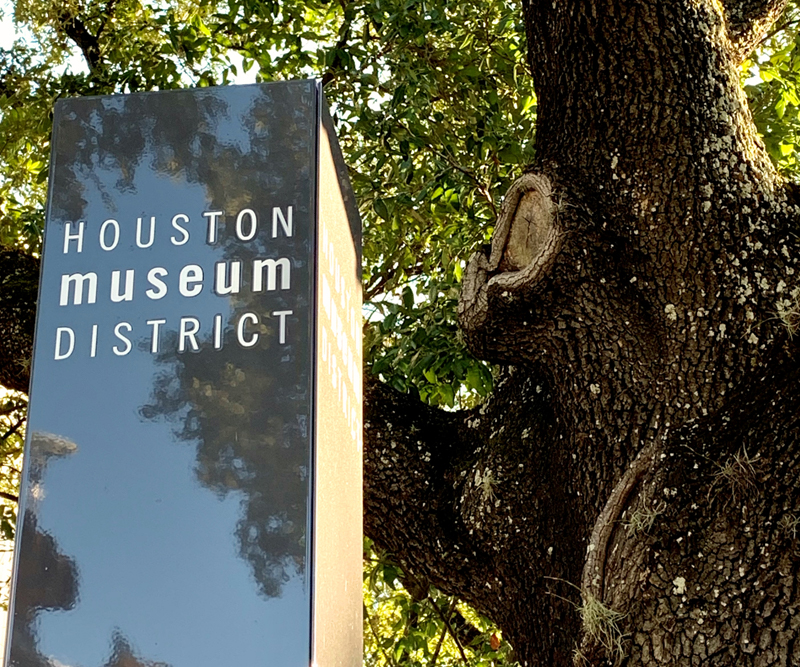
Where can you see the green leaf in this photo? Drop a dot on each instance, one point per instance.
(381, 209)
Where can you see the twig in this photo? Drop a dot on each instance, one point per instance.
(330, 74)
(106, 15)
(774, 32)
(450, 630)
(9, 496)
(389, 659)
(442, 636)
(12, 430)
(453, 164)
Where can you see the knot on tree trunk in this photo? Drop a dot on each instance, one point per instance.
(525, 241)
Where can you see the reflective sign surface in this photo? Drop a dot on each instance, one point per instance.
(166, 506)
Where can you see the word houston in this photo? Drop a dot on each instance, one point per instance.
(110, 232)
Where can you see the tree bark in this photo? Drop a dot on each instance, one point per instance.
(19, 279)
(628, 494)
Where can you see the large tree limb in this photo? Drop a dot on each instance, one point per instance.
(409, 501)
(749, 21)
(85, 40)
(484, 504)
(19, 280)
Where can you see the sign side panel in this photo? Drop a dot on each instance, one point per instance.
(338, 624)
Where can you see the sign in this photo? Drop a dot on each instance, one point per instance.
(192, 488)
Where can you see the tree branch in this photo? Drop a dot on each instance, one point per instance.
(474, 501)
(337, 64)
(776, 30)
(442, 636)
(9, 496)
(77, 31)
(480, 186)
(371, 623)
(446, 620)
(12, 430)
(408, 509)
(19, 278)
(749, 21)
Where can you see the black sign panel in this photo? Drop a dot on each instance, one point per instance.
(171, 472)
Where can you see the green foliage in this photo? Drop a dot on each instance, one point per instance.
(772, 84)
(26, 101)
(423, 627)
(13, 408)
(436, 127)
(415, 344)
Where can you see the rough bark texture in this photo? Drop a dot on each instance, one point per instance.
(629, 494)
(19, 277)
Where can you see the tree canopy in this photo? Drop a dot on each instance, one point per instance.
(436, 109)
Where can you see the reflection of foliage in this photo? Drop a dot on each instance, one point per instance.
(47, 579)
(412, 624)
(246, 411)
(123, 655)
(251, 438)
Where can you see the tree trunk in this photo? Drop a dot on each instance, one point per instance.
(628, 495)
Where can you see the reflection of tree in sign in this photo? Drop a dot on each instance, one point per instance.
(118, 136)
(247, 443)
(48, 580)
(247, 409)
(122, 655)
